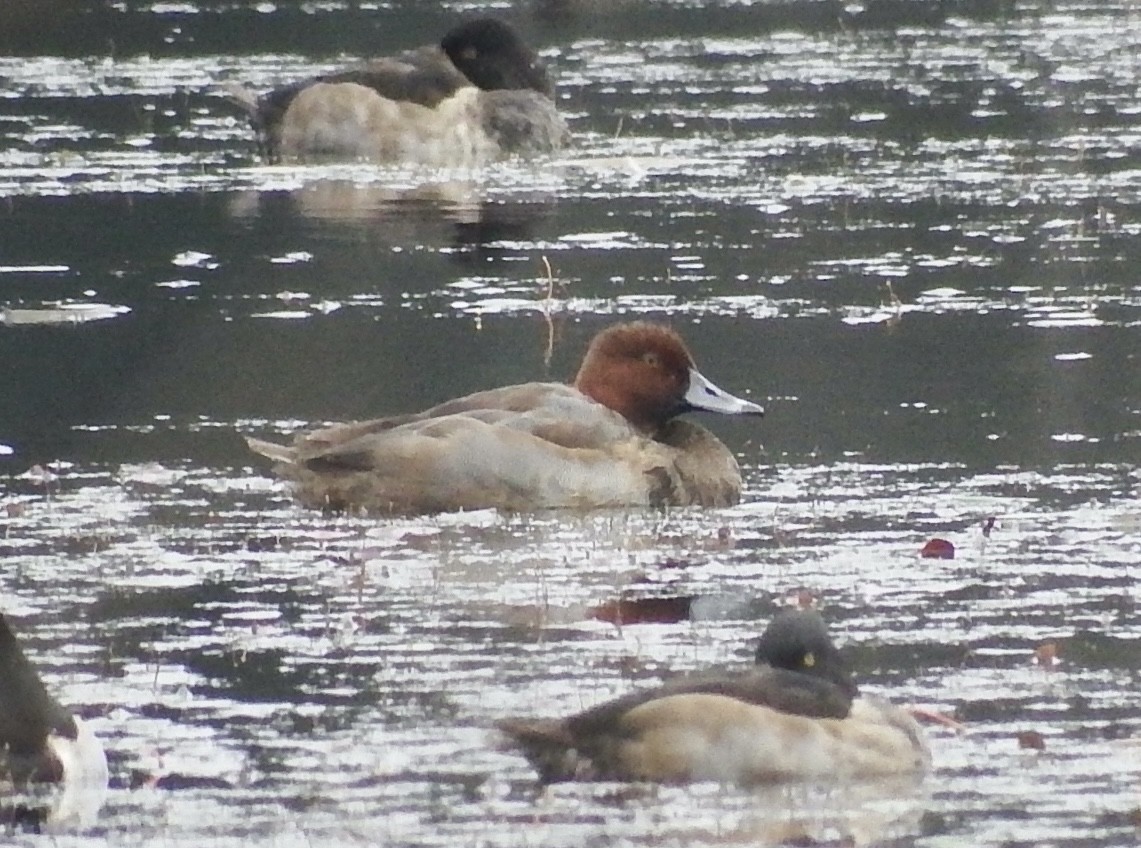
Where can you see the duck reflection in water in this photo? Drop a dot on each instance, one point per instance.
(459, 215)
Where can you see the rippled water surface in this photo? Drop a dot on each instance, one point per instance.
(911, 229)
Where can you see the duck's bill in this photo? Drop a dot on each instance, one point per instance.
(703, 394)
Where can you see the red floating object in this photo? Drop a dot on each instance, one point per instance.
(938, 549)
(643, 610)
(1046, 654)
(1032, 740)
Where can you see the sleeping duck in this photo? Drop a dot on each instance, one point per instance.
(53, 771)
(796, 716)
(613, 438)
(479, 95)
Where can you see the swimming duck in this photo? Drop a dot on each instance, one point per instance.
(612, 439)
(42, 745)
(479, 95)
(796, 716)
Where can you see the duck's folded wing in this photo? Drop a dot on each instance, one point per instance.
(470, 461)
(781, 690)
(552, 411)
(424, 76)
(522, 397)
(531, 446)
(785, 691)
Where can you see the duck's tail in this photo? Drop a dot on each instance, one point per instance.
(271, 450)
(244, 99)
(547, 746)
(254, 109)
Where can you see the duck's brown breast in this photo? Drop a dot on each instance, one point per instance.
(701, 472)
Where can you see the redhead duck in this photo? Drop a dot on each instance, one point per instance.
(612, 439)
(42, 745)
(796, 716)
(479, 95)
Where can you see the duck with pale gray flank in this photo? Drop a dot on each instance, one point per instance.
(53, 772)
(797, 715)
(611, 439)
(481, 94)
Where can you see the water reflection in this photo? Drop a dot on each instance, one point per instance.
(457, 215)
(247, 645)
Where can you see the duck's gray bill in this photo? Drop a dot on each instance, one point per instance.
(703, 394)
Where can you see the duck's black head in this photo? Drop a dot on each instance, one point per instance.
(491, 54)
(797, 640)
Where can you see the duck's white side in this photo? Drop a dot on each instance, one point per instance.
(81, 792)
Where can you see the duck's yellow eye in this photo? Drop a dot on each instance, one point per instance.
(809, 660)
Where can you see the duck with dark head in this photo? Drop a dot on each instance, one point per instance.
(796, 716)
(479, 95)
